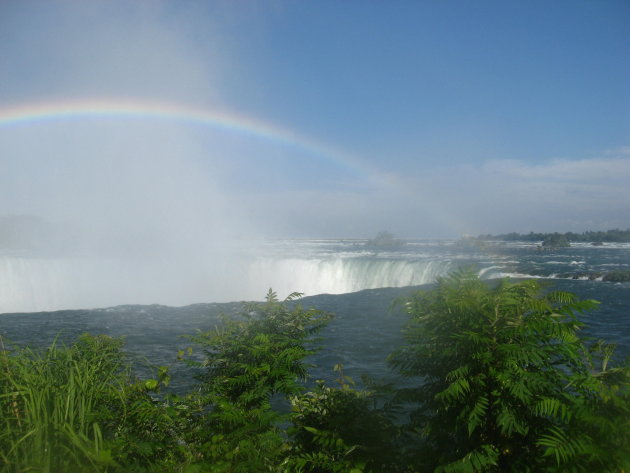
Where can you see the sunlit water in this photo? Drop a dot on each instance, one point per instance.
(365, 329)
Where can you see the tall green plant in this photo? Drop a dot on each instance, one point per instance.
(506, 382)
(248, 363)
(54, 403)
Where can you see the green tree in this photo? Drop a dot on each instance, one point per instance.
(507, 384)
(250, 362)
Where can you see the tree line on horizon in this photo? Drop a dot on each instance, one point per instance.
(610, 236)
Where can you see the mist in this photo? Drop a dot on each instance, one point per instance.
(130, 211)
(143, 209)
(155, 208)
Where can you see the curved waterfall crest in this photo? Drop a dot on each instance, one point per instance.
(32, 283)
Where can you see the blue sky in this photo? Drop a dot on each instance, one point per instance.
(448, 80)
(427, 118)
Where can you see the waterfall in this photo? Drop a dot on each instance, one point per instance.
(334, 275)
(33, 283)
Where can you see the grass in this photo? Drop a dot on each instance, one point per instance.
(55, 403)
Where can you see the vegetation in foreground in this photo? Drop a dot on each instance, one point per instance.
(499, 381)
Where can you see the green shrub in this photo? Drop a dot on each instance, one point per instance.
(248, 363)
(507, 384)
(499, 382)
(340, 429)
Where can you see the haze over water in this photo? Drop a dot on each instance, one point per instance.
(154, 140)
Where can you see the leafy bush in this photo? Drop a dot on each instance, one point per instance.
(340, 429)
(248, 363)
(507, 384)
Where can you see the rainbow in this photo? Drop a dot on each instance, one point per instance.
(230, 122)
(30, 114)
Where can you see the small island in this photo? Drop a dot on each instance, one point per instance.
(556, 240)
(385, 241)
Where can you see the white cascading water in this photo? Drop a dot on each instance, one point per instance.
(340, 275)
(31, 284)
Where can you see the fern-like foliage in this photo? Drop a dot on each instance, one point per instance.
(507, 383)
(338, 429)
(248, 362)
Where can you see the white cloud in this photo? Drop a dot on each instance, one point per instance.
(508, 195)
(583, 170)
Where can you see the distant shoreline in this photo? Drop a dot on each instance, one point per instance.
(609, 236)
